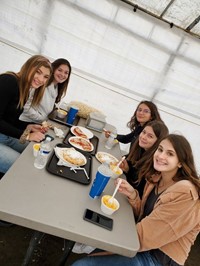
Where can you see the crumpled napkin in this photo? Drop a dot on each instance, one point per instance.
(82, 248)
(59, 133)
(61, 163)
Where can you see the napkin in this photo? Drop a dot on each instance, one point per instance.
(61, 163)
(82, 248)
(59, 133)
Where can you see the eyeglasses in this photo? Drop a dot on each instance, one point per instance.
(145, 111)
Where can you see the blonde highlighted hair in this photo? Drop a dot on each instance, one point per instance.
(25, 77)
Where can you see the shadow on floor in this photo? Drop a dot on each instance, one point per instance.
(14, 242)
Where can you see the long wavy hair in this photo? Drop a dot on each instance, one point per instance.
(187, 171)
(133, 123)
(138, 156)
(62, 87)
(25, 77)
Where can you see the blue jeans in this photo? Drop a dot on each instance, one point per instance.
(10, 150)
(141, 259)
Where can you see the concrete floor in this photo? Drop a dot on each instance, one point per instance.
(14, 242)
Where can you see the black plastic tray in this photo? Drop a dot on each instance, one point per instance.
(53, 116)
(94, 140)
(65, 172)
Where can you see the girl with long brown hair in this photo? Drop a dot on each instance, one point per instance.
(145, 112)
(14, 92)
(168, 215)
(142, 151)
(55, 90)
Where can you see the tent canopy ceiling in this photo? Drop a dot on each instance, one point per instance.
(124, 56)
(133, 51)
(143, 56)
(184, 14)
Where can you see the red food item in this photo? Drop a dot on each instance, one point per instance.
(84, 144)
(79, 132)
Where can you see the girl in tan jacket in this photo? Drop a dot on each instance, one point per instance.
(168, 215)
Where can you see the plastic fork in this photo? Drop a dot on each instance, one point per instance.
(79, 168)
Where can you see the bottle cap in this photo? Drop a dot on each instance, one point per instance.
(48, 139)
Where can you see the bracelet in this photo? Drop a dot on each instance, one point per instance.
(25, 136)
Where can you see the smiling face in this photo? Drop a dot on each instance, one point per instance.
(147, 138)
(40, 78)
(61, 74)
(143, 114)
(165, 158)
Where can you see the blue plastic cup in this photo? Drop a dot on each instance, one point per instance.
(99, 184)
(72, 114)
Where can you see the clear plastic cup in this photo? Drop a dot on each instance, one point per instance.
(36, 148)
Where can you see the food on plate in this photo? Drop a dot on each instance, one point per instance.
(70, 157)
(46, 124)
(73, 157)
(78, 132)
(81, 143)
(106, 157)
(81, 132)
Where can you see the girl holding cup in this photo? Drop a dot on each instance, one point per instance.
(142, 151)
(168, 215)
(146, 111)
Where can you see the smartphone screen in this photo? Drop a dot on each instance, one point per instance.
(98, 219)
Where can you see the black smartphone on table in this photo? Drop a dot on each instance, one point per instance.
(98, 219)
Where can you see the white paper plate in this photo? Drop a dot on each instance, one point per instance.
(106, 157)
(74, 154)
(81, 143)
(88, 134)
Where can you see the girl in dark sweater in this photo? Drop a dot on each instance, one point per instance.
(141, 151)
(146, 111)
(14, 92)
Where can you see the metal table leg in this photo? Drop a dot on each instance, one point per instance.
(36, 237)
(68, 246)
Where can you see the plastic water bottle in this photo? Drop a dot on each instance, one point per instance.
(111, 140)
(41, 159)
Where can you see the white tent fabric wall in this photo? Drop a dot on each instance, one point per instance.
(118, 57)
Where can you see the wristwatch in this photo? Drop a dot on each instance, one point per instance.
(25, 136)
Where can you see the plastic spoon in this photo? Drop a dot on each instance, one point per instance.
(115, 191)
(117, 166)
